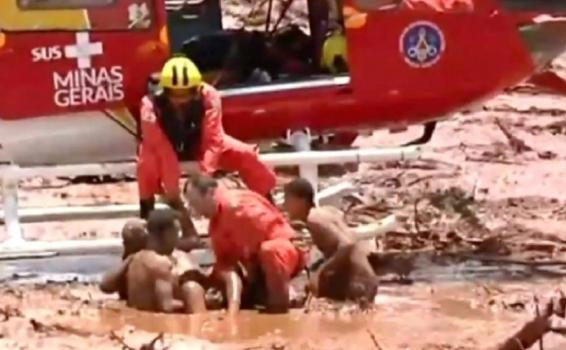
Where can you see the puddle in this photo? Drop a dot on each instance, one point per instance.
(248, 325)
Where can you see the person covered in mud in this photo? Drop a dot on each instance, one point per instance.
(252, 242)
(345, 273)
(156, 277)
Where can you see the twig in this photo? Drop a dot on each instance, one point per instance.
(430, 176)
(518, 145)
(9, 312)
(151, 345)
(537, 308)
(374, 340)
(416, 216)
(491, 160)
(119, 339)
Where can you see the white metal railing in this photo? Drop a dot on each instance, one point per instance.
(11, 174)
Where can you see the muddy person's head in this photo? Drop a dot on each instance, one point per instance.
(134, 237)
(299, 198)
(200, 194)
(163, 228)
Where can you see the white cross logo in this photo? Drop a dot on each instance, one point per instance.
(83, 50)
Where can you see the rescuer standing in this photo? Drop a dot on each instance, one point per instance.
(182, 122)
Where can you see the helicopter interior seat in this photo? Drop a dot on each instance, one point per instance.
(224, 56)
(290, 53)
(211, 51)
(225, 60)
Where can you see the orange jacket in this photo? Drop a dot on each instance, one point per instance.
(244, 221)
(155, 141)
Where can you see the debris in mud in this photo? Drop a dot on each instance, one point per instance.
(152, 345)
(374, 340)
(9, 311)
(40, 327)
(518, 145)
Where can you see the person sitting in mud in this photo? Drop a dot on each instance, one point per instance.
(156, 278)
(346, 273)
(251, 240)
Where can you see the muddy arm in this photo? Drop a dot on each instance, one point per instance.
(113, 281)
(164, 287)
(164, 294)
(527, 336)
(535, 329)
(233, 288)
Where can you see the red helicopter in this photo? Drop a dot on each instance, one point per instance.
(73, 71)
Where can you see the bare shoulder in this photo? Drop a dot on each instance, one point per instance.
(155, 263)
(324, 216)
(317, 215)
(329, 222)
(316, 220)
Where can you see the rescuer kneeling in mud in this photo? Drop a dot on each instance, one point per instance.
(346, 273)
(252, 242)
(153, 275)
(183, 121)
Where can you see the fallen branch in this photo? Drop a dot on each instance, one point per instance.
(374, 340)
(416, 216)
(43, 328)
(151, 345)
(9, 312)
(518, 145)
(492, 160)
(537, 309)
(148, 346)
(119, 339)
(431, 176)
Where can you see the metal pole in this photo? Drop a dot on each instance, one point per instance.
(10, 199)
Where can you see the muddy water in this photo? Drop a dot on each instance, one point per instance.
(248, 325)
(445, 302)
(88, 268)
(401, 314)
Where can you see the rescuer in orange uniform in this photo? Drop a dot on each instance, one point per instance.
(183, 121)
(247, 230)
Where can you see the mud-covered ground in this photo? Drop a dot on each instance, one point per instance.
(476, 193)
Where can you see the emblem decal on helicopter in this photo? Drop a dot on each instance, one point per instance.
(422, 44)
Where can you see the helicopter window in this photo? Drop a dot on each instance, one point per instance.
(460, 6)
(377, 4)
(534, 5)
(73, 15)
(61, 4)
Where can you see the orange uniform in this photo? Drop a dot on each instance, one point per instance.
(247, 228)
(158, 168)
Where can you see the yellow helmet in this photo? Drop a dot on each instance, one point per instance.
(180, 73)
(334, 46)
